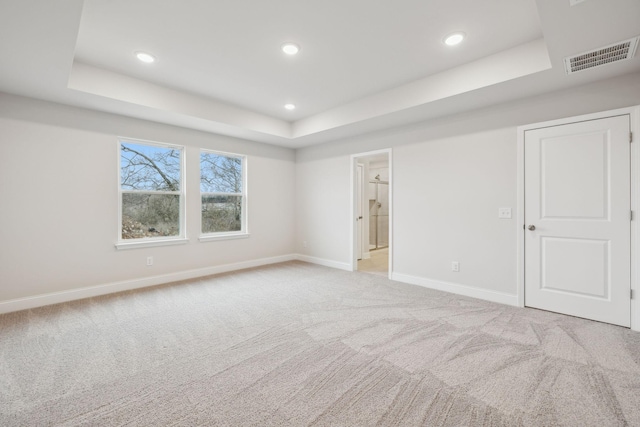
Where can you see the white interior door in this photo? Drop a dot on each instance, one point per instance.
(577, 215)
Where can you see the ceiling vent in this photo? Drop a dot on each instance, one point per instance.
(604, 55)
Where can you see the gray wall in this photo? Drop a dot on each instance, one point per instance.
(450, 176)
(59, 198)
(58, 192)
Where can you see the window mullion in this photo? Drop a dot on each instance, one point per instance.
(221, 194)
(177, 193)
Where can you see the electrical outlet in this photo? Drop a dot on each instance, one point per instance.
(504, 213)
(149, 260)
(455, 266)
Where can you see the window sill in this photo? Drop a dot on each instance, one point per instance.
(151, 243)
(222, 236)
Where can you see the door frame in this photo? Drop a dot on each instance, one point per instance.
(360, 221)
(634, 115)
(352, 211)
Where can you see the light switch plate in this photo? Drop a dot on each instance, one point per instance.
(504, 213)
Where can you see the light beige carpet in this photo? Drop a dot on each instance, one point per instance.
(297, 344)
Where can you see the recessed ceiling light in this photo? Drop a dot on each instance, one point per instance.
(290, 48)
(145, 57)
(289, 106)
(454, 39)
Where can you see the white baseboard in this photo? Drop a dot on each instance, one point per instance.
(456, 288)
(126, 285)
(366, 255)
(325, 262)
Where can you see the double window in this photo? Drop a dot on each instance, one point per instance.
(152, 194)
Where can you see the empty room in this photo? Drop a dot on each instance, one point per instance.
(336, 213)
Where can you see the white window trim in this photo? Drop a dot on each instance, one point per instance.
(147, 242)
(213, 237)
(226, 235)
(151, 242)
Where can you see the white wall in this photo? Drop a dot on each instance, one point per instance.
(322, 202)
(59, 200)
(446, 198)
(450, 176)
(58, 195)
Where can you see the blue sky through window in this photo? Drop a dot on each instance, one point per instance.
(220, 174)
(148, 167)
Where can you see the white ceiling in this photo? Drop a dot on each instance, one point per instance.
(230, 50)
(364, 64)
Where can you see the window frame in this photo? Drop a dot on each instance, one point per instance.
(141, 242)
(244, 226)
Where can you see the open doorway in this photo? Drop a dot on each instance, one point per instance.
(372, 208)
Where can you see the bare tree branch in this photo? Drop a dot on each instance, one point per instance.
(171, 185)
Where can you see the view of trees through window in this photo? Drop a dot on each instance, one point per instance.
(222, 192)
(150, 187)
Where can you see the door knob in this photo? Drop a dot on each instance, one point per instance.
(532, 227)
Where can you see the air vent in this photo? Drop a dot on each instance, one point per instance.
(605, 55)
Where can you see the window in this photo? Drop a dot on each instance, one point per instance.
(151, 192)
(223, 194)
